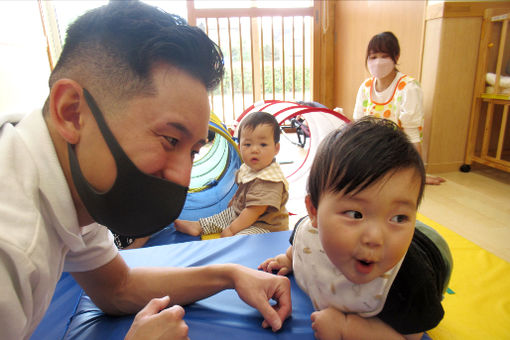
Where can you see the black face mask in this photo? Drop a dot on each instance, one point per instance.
(137, 204)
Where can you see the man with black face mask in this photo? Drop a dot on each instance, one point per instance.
(114, 144)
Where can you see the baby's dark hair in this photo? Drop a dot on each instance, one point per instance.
(385, 42)
(255, 119)
(357, 155)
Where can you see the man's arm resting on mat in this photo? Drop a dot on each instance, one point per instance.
(118, 289)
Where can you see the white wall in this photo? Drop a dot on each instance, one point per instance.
(24, 65)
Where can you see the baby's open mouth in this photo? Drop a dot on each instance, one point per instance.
(364, 266)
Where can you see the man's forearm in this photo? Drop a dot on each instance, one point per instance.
(117, 289)
(183, 285)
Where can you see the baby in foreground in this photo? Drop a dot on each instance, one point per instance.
(371, 270)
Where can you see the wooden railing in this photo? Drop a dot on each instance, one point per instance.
(268, 55)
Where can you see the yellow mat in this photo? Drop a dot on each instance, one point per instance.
(210, 236)
(478, 305)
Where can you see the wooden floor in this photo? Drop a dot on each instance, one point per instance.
(475, 205)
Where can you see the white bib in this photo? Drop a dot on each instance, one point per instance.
(327, 286)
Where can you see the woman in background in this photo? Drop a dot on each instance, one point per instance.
(391, 94)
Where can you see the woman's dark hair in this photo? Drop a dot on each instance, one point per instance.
(385, 42)
(255, 119)
(359, 154)
(112, 49)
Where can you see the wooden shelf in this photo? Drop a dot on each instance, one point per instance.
(496, 96)
(489, 130)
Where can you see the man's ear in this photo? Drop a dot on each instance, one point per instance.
(312, 211)
(66, 104)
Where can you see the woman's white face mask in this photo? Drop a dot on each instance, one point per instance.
(380, 67)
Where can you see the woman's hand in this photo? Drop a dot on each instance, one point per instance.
(434, 180)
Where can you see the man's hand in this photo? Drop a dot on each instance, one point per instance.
(256, 288)
(152, 322)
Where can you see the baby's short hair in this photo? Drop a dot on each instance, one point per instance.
(255, 119)
(357, 155)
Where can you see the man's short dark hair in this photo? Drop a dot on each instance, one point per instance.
(111, 50)
(255, 119)
(357, 155)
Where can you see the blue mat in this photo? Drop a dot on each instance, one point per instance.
(222, 316)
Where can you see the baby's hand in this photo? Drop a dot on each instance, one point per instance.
(280, 265)
(328, 324)
(227, 232)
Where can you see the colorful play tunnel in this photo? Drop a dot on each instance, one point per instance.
(213, 175)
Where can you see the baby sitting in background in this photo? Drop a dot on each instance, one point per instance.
(258, 206)
(370, 273)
